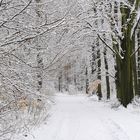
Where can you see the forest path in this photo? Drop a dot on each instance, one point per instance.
(77, 117)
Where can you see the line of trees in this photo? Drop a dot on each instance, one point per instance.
(27, 57)
(109, 33)
(68, 44)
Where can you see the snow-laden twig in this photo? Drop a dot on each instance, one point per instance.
(16, 14)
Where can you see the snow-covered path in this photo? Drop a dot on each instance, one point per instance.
(77, 117)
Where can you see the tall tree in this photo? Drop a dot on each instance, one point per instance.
(126, 66)
(138, 60)
(99, 70)
(107, 74)
(87, 80)
(39, 57)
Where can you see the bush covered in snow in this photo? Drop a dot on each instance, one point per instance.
(19, 115)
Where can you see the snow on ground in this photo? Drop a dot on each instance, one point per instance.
(77, 117)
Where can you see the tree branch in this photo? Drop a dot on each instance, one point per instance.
(16, 14)
(106, 44)
(31, 37)
(135, 52)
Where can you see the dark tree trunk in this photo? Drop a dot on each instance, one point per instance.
(38, 46)
(138, 66)
(126, 67)
(99, 72)
(107, 76)
(39, 72)
(60, 83)
(87, 81)
(93, 69)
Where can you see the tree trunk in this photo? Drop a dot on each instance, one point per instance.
(87, 81)
(138, 65)
(60, 82)
(99, 72)
(126, 67)
(93, 69)
(38, 46)
(107, 76)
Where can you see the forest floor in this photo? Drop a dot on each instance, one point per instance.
(78, 117)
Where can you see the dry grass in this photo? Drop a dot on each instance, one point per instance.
(19, 115)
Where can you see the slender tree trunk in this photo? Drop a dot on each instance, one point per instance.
(93, 69)
(75, 80)
(107, 76)
(38, 46)
(138, 66)
(87, 81)
(60, 82)
(99, 72)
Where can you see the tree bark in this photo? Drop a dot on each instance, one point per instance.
(126, 67)
(138, 66)
(99, 72)
(38, 46)
(107, 76)
(87, 81)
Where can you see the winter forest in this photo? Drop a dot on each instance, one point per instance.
(73, 64)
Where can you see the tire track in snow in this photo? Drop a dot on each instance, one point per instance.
(116, 130)
(77, 118)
